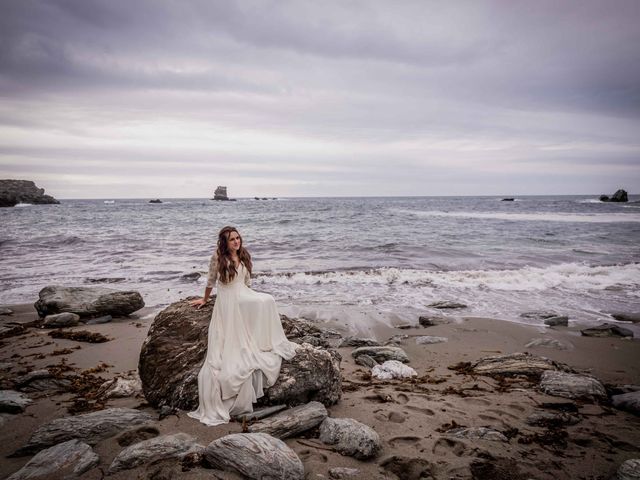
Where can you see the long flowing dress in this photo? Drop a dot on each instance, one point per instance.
(246, 345)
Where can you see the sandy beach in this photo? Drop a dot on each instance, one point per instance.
(410, 416)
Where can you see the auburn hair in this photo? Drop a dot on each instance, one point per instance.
(227, 270)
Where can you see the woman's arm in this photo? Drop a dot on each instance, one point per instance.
(212, 276)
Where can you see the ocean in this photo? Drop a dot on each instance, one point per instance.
(351, 261)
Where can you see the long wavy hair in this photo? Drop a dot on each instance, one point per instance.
(226, 268)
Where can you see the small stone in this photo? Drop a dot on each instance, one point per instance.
(405, 326)
(339, 473)
(627, 401)
(397, 339)
(477, 433)
(13, 402)
(607, 330)
(446, 304)
(392, 369)
(350, 437)
(70, 457)
(381, 354)
(65, 319)
(366, 361)
(428, 340)
(629, 470)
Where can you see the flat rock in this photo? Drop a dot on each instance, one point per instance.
(99, 320)
(13, 402)
(365, 361)
(340, 473)
(42, 381)
(65, 319)
(607, 330)
(292, 421)
(350, 437)
(177, 445)
(516, 364)
(392, 369)
(570, 385)
(64, 460)
(551, 419)
(547, 343)
(633, 317)
(627, 401)
(477, 433)
(89, 428)
(172, 354)
(447, 304)
(255, 455)
(428, 340)
(629, 470)
(359, 342)
(382, 354)
(87, 301)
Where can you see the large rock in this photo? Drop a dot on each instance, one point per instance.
(570, 385)
(87, 301)
(382, 354)
(350, 437)
(633, 317)
(177, 446)
(629, 470)
(13, 402)
(64, 319)
(607, 330)
(627, 401)
(89, 427)
(65, 460)
(291, 422)
(42, 381)
(619, 196)
(13, 192)
(255, 455)
(516, 364)
(173, 352)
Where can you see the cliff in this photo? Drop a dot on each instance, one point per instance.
(13, 192)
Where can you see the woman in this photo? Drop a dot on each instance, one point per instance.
(246, 342)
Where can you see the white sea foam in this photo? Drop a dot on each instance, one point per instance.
(528, 217)
(23, 205)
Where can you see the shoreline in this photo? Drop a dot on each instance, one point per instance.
(407, 416)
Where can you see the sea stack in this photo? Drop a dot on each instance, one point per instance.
(220, 193)
(619, 196)
(13, 192)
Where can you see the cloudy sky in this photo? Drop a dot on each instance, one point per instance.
(151, 98)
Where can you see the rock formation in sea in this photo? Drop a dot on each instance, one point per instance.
(619, 196)
(13, 192)
(220, 193)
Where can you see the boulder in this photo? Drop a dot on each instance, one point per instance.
(629, 470)
(175, 347)
(13, 192)
(477, 433)
(65, 319)
(291, 422)
(350, 437)
(89, 428)
(64, 460)
(177, 445)
(607, 330)
(633, 317)
(570, 385)
(13, 402)
(87, 301)
(382, 354)
(392, 369)
(447, 304)
(254, 455)
(627, 401)
(619, 196)
(516, 364)
(428, 340)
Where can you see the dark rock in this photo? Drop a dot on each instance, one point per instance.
(408, 468)
(446, 304)
(65, 319)
(220, 193)
(516, 364)
(552, 419)
(350, 437)
(255, 455)
(430, 320)
(137, 434)
(157, 200)
(627, 401)
(619, 196)
(13, 192)
(366, 361)
(13, 402)
(509, 199)
(69, 459)
(633, 317)
(87, 301)
(99, 320)
(292, 421)
(173, 352)
(382, 354)
(191, 277)
(359, 342)
(551, 319)
(570, 385)
(604, 198)
(607, 330)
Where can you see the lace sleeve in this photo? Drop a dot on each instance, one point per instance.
(212, 276)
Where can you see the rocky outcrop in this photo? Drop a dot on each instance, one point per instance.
(301, 331)
(619, 196)
(220, 193)
(13, 192)
(633, 317)
(87, 301)
(175, 347)
(254, 455)
(69, 459)
(350, 437)
(569, 385)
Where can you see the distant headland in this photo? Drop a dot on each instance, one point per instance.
(13, 192)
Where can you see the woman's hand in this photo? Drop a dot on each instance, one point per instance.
(199, 303)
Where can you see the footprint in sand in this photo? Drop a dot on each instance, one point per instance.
(477, 401)
(425, 411)
(392, 416)
(406, 441)
(502, 413)
(515, 406)
(311, 455)
(402, 398)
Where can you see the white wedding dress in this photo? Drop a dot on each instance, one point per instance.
(246, 346)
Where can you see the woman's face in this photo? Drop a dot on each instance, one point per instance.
(233, 241)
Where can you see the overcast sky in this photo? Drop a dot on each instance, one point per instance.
(149, 98)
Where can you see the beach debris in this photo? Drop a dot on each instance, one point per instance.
(382, 354)
(627, 401)
(292, 421)
(13, 402)
(137, 434)
(5, 311)
(633, 317)
(260, 413)
(176, 445)
(570, 385)
(549, 318)
(64, 319)
(407, 468)
(42, 380)
(546, 342)
(607, 330)
(392, 369)
(430, 320)
(447, 304)
(341, 473)
(515, 364)
(629, 470)
(64, 460)
(428, 340)
(87, 301)
(359, 342)
(365, 361)
(551, 419)
(89, 427)
(120, 387)
(99, 320)
(350, 437)
(79, 336)
(477, 433)
(254, 455)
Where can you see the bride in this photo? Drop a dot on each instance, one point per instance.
(246, 342)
